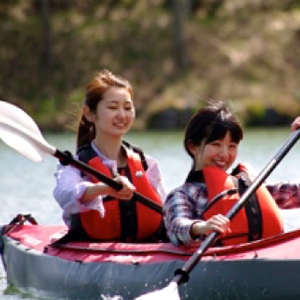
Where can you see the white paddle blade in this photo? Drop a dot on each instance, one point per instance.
(21, 145)
(19, 131)
(19, 116)
(170, 292)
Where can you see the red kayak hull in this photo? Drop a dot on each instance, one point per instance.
(267, 269)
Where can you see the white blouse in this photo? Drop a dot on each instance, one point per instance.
(70, 186)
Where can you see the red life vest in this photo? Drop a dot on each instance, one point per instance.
(111, 226)
(268, 213)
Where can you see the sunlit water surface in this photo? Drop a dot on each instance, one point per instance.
(27, 186)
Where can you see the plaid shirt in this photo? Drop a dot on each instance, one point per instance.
(185, 205)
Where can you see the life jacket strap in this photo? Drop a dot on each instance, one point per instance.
(252, 209)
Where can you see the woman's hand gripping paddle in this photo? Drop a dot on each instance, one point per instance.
(19, 131)
(182, 275)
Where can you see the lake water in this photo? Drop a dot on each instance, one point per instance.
(26, 187)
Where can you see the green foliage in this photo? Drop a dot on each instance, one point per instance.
(243, 50)
(254, 113)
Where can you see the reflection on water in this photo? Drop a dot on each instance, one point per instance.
(27, 186)
(111, 298)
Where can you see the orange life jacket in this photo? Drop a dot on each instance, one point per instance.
(115, 224)
(260, 218)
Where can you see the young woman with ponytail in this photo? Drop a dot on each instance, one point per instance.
(92, 209)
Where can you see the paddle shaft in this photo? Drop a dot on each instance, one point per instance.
(69, 159)
(182, 274)
(19, 131)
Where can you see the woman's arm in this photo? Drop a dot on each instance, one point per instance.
(286, 194)
(180, 213)
(70, 186)
(75, 193)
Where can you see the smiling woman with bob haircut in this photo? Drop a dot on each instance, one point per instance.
(199, 206)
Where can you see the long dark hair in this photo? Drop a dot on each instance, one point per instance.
(102, 81)
(211, 123)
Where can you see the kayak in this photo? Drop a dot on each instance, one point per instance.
(37, 263)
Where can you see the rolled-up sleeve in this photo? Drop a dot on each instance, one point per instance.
(68, 191)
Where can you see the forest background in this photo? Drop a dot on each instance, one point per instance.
(176, 53)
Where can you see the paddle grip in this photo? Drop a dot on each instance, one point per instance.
(66, 158)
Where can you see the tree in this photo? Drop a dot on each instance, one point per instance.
(181, 10)
(46, 33)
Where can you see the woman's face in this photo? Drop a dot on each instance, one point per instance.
(114, 114)
(219, 153)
